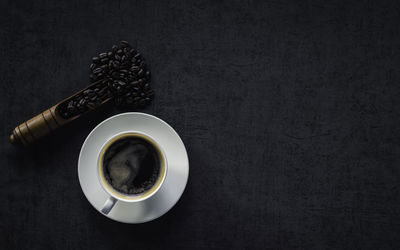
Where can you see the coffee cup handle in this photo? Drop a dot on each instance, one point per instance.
(108, 205)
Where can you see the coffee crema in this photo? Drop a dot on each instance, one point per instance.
(131, 165)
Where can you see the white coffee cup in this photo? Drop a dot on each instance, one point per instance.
(117, 196)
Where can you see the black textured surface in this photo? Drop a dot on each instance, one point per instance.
(289, 111)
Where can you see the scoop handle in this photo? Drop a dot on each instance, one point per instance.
(37, 127)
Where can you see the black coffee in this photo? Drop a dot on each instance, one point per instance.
(131, 165)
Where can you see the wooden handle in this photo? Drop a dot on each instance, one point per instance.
(37, 127)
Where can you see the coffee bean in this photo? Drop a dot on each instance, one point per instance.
(97, 70)
(150, 93)
(70, 105)
(103, 55)
(124, 44)
(135, 68)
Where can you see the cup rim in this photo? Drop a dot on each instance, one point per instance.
(125, 197)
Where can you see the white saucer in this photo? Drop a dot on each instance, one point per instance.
(175, 181)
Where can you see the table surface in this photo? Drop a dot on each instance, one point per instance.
(289, 111)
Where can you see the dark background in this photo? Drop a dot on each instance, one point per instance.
(289, 111)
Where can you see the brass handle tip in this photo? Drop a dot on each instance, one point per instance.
(12, 139)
